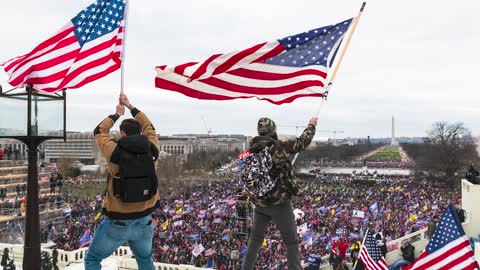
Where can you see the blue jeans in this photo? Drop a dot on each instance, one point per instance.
(397, 265)
(111, 234)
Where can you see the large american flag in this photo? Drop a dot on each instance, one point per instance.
(449, 248)
(86, 49)
(278, 71)
(371, 255)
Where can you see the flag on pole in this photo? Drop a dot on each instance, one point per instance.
(371, 255)
(279, 71)
(87, 48)
(85, 239)
(449, 247)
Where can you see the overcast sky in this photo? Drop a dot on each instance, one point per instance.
(417, 60)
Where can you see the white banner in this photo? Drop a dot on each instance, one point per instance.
(197, 250)
(358, 214)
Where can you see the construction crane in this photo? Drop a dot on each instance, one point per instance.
(334, 134)
(323, 131)
(209, 130)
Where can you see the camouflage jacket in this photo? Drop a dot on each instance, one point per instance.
(282, 169)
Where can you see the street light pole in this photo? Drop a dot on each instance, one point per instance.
(31, 251)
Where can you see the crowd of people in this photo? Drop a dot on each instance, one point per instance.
(367, 163)
(10, 154)
(206, 225)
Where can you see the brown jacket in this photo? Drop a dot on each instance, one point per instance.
(113, 207)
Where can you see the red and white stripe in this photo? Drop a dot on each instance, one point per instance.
(244, 74)
(456, 255)
(60, 62)
(369, 263)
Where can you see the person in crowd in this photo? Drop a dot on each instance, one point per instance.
(408, 256)
(472, 175)
(53, 181)
(9, 153)
(432, 226)
(17, 189)
(5, 257)
(3, 193)
(1, 154)
(42, 167)
(342, 265)
(382, 243)
(314, 261)
(24, 189)
(131, 200)
(276, 205)
(60, 184)
(462, 214)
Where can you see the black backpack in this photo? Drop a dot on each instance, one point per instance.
(136, 180)
(256, 173)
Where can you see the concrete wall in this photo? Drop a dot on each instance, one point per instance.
(471, 203)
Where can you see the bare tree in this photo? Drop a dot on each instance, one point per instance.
(452, 148)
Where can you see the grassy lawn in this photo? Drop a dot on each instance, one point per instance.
(388, 153)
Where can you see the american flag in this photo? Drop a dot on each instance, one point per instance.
(87, 48)
(449, 247)
(371, 255)
(279, 71)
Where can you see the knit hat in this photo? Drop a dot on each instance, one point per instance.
(266, 127)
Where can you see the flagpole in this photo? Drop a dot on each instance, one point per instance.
(335, 70)
(124, 45)
(344, 50)
(360, 251)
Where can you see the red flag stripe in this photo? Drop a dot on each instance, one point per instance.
(42, 66)
(77, 55)
(236, 58)
(168, 85)
(276, 51)
(439, 256)
(55, 39)
(457, 261)
(255, 74)
(366, 259)
(203, 67)
(263, 91)
(63, 44)
(181, 68)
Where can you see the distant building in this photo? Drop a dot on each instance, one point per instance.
(177, 145)
(185, 144)
(17, 146)
(79, 146)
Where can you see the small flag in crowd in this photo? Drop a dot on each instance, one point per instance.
(244, 249)
(179, 211)
(86, 239)
(358, 214)
(302, 229)
(413, 218)
(371, 255)
(197, 250)
(449, 247)
(374, 209)
(264, 244)
(279, 71)
(165, 224)
(98, 216)
(298, 213)
(86, 49)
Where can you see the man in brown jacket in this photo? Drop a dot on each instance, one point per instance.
(131, 193)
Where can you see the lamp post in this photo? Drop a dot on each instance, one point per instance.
(32, 118)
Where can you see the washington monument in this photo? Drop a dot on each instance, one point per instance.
(394, 140)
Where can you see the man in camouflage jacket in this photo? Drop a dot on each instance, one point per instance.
(275, 206)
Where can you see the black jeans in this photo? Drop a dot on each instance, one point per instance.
(282, 216)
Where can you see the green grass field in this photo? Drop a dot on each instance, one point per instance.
(388, 153)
